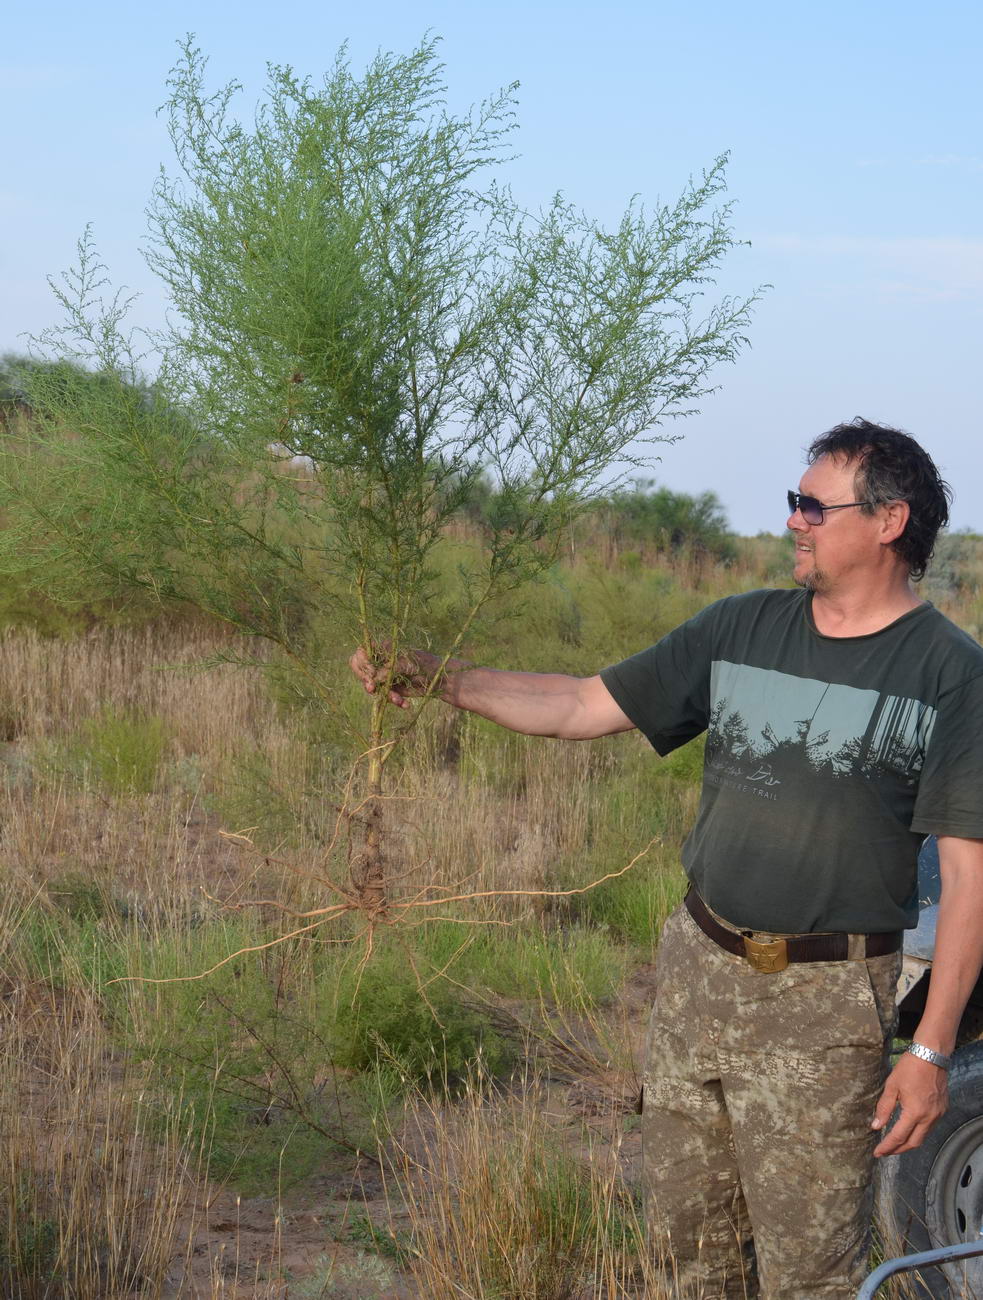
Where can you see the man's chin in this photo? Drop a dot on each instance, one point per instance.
(814, 580)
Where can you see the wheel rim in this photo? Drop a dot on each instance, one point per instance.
(954, 1196)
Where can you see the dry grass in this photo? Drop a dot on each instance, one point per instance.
(470, 814)
(49, 686)
(525, 1191)
(96, 1175)
(155, 845)
(499, 1205)
(105, 1188)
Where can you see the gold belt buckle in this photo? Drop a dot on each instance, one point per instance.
(766, 958)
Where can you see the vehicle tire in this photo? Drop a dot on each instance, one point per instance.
(933, 1196)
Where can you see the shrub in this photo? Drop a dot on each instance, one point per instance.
(427, 1033)
(670, 520)
(120, 752)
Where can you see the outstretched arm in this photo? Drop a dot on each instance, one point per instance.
(918, 1087)
(535, 704)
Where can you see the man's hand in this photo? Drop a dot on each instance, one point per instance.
(410, 676)
(922, 1092)
(918, 1087)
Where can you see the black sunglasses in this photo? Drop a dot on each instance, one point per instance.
(812, 510)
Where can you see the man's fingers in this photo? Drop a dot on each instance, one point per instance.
(919, 1091)
(903, 1137)
(918, 1136)
(910, 1129)
(885, 1106)
(896, 1138)
(372, 674)
(368, 673)
(360, 665)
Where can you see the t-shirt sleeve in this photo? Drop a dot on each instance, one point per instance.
(665, 690)
(950, 791)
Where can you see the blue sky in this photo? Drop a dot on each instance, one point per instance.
(856, 140)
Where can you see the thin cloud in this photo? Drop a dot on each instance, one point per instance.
(970, 163)
(23, 78)
(933, 268)
(952, 161)
(912, 290)
(15, 204)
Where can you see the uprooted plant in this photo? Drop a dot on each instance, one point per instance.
(365, 326)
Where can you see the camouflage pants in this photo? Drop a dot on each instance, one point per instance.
(759, 1092)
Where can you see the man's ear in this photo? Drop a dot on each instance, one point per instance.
(894, 520)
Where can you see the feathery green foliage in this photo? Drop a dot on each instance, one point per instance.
(364, 325)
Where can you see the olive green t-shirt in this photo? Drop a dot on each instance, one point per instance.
(827, 758)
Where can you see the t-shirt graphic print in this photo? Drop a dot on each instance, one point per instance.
(767, 728)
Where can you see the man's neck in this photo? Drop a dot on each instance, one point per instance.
(859, 612)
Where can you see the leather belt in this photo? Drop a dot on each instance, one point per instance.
(776, 954)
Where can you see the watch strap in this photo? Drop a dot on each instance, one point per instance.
(927, 1054)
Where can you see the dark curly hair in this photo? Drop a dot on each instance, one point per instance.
(891, 466)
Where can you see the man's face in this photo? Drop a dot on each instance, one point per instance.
(845, 542)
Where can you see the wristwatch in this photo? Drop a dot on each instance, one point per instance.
(926, 1054)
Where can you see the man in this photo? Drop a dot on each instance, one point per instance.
(844, 721)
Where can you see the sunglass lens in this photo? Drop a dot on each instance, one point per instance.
(810, 509)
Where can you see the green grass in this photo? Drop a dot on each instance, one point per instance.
(29, 1245)
(120, 753)
(62, 950)
(635, 905)
(261, 1049)
(573, 967)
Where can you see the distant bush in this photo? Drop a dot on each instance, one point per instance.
(17, 375)
(669, 520)
(35, 387)
(28, 389)
(957, 566)
(642, 514)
